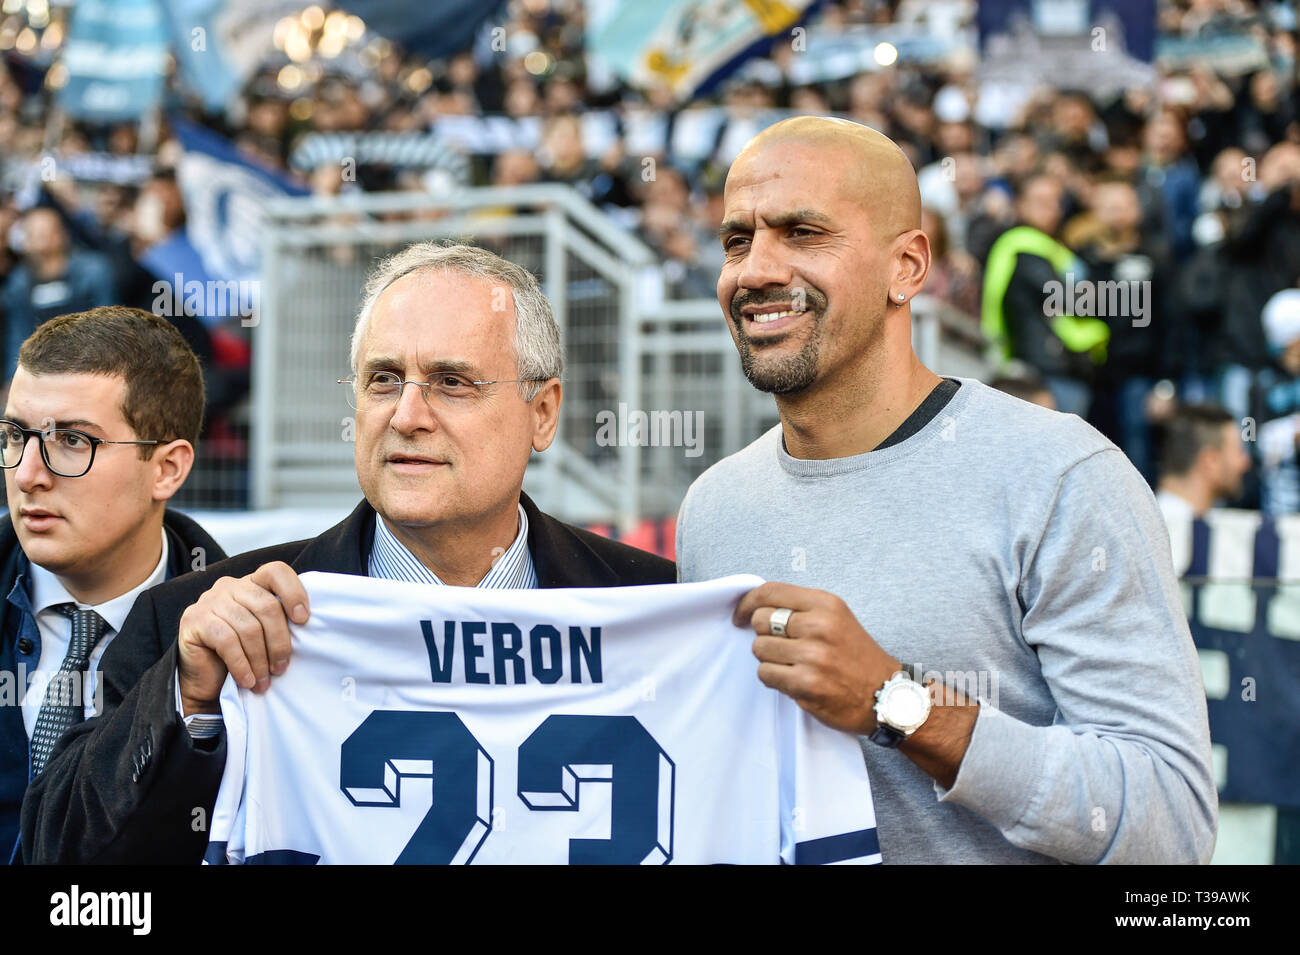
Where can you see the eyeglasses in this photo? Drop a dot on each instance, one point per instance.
(66, 452)
(381, 390)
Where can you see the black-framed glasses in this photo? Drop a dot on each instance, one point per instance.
(382, 390)
(65, 451)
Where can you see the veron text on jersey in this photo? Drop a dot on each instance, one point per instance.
(500, 652)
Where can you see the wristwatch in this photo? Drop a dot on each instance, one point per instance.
(902, 705)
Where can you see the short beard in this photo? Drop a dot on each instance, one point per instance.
(784, 378)
(788, 376)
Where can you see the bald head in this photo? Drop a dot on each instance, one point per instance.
(870, 165)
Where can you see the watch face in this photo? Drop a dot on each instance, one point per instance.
(905, 706)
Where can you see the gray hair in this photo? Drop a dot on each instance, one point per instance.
(538, 355)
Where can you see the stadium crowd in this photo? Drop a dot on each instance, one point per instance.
(1187, 190)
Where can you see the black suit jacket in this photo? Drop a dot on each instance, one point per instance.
(131, 786)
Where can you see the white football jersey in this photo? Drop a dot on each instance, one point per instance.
(427, 724)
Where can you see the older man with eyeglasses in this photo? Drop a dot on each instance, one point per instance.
(97, 435)
(441, 465)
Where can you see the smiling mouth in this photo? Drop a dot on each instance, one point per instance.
(762, 318)
(769, 322)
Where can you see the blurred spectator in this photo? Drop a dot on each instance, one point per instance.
(667, 226)
(563, 159)
(1075, 129)
(1266, 114)
(1227, 187)
(53, 279)
(515, 167)
(521, 98)
(8, 260)
(954, 274)
(562, 156)
(1202, 460)
(1260, 257)
(1226, 197)
(338, 106)
(1275, 405)
(483, 87)
(326, 179)
(809, 100)
(1211, 114)
(1026, 263)
(1127, 269)
(954, 188)
(268, 117)
(1167, 167)
(564, 93)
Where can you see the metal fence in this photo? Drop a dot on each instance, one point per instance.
(653, 393)
(219, 477)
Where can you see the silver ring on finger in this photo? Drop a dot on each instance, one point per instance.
(780, 617)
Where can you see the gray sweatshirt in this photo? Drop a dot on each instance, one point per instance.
(1015, 554)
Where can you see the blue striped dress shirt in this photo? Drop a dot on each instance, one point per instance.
(513, 570)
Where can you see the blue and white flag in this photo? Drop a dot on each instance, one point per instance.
(211, 270)
(219, 44)
(200, 51)
(224, 196)
(1241, 580)
(690, 46)
(115, 57)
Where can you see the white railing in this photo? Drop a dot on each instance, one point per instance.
(626, 347)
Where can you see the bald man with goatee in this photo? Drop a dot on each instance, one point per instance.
(978, 587)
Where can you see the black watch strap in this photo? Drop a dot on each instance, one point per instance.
(886, 736)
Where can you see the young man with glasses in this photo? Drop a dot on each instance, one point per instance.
(97, 435)
(441, 466)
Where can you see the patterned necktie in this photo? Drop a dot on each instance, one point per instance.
(64, 706)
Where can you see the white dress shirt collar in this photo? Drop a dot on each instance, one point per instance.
(48, 590)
